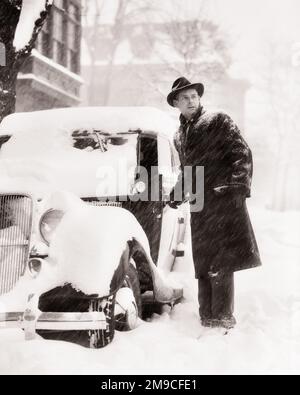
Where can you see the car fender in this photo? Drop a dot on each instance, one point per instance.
(89, 242)
(164, 290)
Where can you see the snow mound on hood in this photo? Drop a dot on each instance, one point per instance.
(89, 243)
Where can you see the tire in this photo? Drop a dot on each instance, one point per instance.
(128, 301)
(67, 299)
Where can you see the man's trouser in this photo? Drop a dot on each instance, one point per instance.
(216, 296)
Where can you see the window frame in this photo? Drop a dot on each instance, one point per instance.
(67, 55)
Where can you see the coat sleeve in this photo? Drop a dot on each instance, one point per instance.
(237, 156)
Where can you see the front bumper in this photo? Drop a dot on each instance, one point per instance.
(31, 321)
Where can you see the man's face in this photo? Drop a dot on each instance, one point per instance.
(188, 102)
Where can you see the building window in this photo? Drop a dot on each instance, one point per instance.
(60, 36)
(44, 39)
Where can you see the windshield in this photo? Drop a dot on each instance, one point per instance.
(97, 140)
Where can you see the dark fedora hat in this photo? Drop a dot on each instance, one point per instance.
(181, 84)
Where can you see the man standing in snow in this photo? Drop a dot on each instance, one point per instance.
(222, 236)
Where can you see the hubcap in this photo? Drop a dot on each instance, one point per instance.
(126, 305)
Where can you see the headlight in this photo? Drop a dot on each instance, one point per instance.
(49, 223)
(35, 266)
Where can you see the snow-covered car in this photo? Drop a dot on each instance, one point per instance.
(86, 237)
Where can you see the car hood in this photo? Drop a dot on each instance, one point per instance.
(39, 177)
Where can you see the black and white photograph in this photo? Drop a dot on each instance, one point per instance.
(149, 189)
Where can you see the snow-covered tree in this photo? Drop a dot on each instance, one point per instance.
(95, 8)
(123, 12)
(182, 44)
(277, 92)
(20, 23)
(191, 43)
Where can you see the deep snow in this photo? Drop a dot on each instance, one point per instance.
(266, 339)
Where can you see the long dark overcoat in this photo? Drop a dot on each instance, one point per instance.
(222, 234)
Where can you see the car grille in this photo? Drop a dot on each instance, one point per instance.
(99, 203)
(112, 204)
(15, 231)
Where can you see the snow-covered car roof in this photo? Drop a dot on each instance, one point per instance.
(106, 119)
(41, 157)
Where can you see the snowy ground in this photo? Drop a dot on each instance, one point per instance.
(266, 339)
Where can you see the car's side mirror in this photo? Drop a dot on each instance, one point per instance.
(4, 139)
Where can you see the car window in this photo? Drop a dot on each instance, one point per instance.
(166, 165)
(148, 152)
(176, 165)
(164, 154)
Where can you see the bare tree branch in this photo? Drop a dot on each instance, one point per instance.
(10, 11)
(26, 51)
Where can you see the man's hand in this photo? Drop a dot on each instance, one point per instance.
(176, 203)
(173, 204)
(221, 190)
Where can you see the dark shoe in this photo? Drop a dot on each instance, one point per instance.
(207, 322)
(227, 323)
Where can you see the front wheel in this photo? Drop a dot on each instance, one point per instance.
(128, 306)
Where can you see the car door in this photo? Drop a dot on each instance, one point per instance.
(174, 221)
(148, 205)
